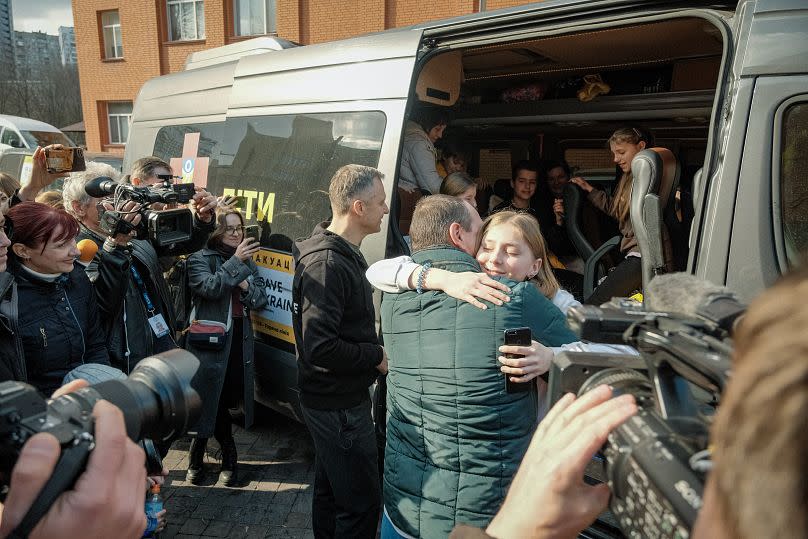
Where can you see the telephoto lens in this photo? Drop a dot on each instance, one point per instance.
(157, 399)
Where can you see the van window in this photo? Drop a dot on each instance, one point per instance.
(281, 165)
(794, 181)
(10, 138)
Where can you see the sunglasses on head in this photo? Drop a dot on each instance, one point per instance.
(168, 177)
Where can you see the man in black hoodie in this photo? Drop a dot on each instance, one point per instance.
(340, 355)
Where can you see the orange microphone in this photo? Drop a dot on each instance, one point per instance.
(88, 248)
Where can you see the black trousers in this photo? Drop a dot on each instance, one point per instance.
(233, 388)
(347, 492)
(623, 280)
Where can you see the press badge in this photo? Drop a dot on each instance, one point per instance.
(158, 325)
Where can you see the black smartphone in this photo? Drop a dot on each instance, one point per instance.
(252, 231)
(517, 337)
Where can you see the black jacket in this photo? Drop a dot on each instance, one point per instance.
(12, 365)
(58, 326)
(334, 322)
(116, 292)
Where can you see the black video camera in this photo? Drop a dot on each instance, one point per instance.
(163, 227)
(655, 462)
(157, 402)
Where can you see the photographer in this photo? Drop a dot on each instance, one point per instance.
(132, 293)
(107, 499)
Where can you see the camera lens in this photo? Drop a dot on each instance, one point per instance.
(157, 399)
(622, 381)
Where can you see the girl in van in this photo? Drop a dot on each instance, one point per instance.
(624, 279)
(460, 185)
(511, 245)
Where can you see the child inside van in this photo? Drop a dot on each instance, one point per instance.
(626, 277)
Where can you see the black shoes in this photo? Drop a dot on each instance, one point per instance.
(229, 473)
(196, 458)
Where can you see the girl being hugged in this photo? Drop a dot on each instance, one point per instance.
(626, 277)
(221, 279)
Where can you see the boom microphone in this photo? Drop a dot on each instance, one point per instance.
(689, 296)
(101, 187)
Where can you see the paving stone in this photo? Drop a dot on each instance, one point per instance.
(298, 520)
(218, 529)
(194, 526)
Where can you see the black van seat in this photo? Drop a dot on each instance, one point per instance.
(573, 203)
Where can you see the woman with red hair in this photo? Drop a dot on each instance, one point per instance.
(57, 318)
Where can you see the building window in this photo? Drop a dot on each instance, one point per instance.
(119, 115)
(254, 17)
(111, 25)
(186, 20)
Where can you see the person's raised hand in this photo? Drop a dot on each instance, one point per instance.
(558, 210)
(548, 497)
(469, 287)
(40, 177)
(246, 249)
(582, 183)
(107, 499)
(130, 212)
(204, 204)
(536, 361)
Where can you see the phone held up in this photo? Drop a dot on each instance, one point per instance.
(517, 337)
(252, 231)
(58, 160)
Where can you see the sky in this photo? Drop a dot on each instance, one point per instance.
(41, 15)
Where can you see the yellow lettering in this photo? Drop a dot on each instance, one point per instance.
(249, 196)
(266, 207)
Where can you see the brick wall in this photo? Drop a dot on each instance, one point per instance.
(148, 53)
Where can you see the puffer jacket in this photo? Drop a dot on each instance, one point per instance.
(455, 437)
(59, 326)
(418, 156)
(12, 364)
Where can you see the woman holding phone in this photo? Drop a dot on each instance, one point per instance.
(221, 279)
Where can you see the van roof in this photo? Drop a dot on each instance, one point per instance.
(26, 124)
(234, 51)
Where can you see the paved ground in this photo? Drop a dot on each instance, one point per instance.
(273, 498)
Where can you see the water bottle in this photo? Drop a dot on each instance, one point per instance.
(154, 504)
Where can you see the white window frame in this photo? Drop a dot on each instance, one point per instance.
(267, 5)
(196, 35)
(116, 32)
(118, 117)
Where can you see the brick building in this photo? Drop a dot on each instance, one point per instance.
(123, 43)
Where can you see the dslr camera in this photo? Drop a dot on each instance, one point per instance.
(157, 402)
(161, 227)
(656, 462)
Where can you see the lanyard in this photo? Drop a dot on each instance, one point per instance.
(143, 292)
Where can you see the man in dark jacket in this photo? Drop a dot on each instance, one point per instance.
(340, 355)
(12, 364)
(135, 304)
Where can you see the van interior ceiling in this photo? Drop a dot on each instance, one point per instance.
(524, 95)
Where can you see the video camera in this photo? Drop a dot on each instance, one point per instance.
(157, 402)
(163, 227)
(655, 462)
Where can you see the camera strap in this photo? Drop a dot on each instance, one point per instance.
(71, 463)
(156, 320)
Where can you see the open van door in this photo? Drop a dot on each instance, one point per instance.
(754, 220)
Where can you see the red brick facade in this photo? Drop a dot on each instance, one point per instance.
(147, 51)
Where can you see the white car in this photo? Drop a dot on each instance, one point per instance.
(24, 133)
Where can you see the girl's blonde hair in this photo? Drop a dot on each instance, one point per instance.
(622, 195)
(528, 227)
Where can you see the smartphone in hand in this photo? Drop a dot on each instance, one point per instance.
(517, 337)
(252, 231)
(58, 160)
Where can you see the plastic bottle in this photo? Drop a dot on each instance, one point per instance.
(154, 504)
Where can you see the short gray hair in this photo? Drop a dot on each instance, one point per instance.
(348, 183)
(432, 218)
(73, 188)
(145, 167)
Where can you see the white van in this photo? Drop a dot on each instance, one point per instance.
(722, 84)
(25, 133)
